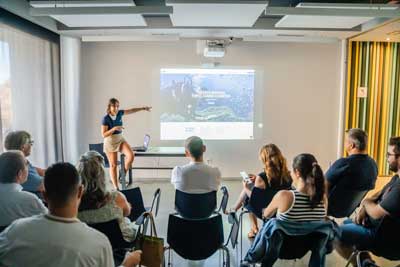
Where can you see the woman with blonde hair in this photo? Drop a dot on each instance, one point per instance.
(275, 176)
(99, 204)
(114, 142)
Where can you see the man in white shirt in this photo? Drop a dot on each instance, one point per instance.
(58, 238)
(15, 203)
(195, 177)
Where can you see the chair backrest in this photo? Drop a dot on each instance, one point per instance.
(195, 206)
(195, 239)
(342, 202)
(387, 238)
(113, 232)
(259, 199)
(134, 197)
(234, 233)
(224, 200)
(156, 202)
(99, 148)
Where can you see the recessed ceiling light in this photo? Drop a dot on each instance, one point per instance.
(387, 39)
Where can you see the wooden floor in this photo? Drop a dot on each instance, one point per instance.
(234, 187)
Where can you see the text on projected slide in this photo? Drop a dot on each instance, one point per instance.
(214, 104)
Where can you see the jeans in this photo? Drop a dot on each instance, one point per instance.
(357, 235)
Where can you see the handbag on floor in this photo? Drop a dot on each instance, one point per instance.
(151, 245)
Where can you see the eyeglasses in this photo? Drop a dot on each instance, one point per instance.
(392, 154)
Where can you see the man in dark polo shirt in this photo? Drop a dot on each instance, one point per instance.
(361, 232)
(358, 171)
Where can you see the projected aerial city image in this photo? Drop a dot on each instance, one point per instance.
(212, 103)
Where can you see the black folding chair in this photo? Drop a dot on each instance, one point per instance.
(113, 232)
(135, 198)
(293, 247)
(296, 247)
(386, 243)
(342, 202)
(196, 239)
(197, 206)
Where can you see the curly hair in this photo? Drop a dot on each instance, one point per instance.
(274, 165)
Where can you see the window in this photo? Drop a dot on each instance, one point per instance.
(5, 92)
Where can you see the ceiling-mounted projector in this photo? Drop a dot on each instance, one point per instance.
(214, 49)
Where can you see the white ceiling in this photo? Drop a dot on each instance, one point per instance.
(216, 19)
(215, 15)
(388, 32)
(173, 34)
(95, 20)
(327, 22)
(109, 20)
(90, 3)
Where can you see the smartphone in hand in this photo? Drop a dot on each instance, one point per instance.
(245, 177)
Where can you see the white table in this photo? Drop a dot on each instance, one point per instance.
(154, 152)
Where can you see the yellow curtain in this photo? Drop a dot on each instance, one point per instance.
(375, 66)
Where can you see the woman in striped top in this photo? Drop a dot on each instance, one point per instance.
(305, 203)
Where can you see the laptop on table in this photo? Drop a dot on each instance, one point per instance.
(145, 146)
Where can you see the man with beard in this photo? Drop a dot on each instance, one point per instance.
(386, 203)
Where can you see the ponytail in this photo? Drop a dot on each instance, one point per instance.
(316, 184)
(312, 174)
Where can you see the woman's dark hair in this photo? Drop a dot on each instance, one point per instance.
(61, 182)
(313, 176)
(111, 102)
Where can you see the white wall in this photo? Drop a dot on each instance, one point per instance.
(300, 96)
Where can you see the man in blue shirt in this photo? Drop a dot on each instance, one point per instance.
(358, 171)
(21, 140)
(362, 233)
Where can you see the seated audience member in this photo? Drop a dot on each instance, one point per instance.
(275, 177)
(196, 177)
(307, 201)
(21, 140)
(361, 232)
(58, 238)
(358, 171)
(99, 204)
(298, 212)
(15, 203)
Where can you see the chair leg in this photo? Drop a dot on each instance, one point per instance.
(241, 236)
(169, 256)
(359, 262)
(354, 254)
(237, 255)
(122, 173)
(226, 262)
(130, 177)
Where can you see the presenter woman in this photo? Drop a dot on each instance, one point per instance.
(114, 142)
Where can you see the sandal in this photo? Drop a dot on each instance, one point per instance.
(252, 234)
